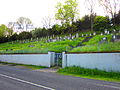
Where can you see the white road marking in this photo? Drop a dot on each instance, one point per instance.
(26, 82)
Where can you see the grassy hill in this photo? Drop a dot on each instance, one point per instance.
(93, 43)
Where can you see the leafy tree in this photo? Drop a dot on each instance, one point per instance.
(4, 31)
(13, 37)
(101, 23)
(66, 12)
(24, 35)
(40, 32)
(56, 29)
(116, 19)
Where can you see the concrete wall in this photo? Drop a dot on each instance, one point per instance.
(33, 59)
(103, 61)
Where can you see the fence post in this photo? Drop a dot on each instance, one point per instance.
(64, 60)
(51, 58)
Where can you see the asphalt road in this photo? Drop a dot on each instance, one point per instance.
(12, 78)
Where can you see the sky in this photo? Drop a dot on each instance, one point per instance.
(36, 10)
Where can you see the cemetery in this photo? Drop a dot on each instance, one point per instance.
(79, 42)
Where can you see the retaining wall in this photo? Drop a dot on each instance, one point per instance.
(33, 59)
(103, 61)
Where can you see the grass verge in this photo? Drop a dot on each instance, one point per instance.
(33, 67)
(91, 73)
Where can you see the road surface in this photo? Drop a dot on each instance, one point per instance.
(12, 78)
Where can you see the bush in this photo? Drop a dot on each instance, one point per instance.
(101, 23)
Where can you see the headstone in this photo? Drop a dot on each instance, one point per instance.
(105, 31)
(101, 34)
(104, 38)
(114, 37)
(72, 37)
(108, 32)
(94, 33)
(37, 38)
(53, 35)
(114, 30)
(90, 34)
(77, 35)
(82, 35)
(86, 34)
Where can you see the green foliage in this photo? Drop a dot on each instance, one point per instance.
(101, 23)
(24, 35)
(96, 39)
(93, 45)
(90, 72)
(104, 47)
(4, 31)
(66, 12)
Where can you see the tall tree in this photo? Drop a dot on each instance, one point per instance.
(90, 6)
(47, 22)
(24, 23)
(67, 12)
(4, 31)
(111, 7)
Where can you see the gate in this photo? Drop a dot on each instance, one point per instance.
(58, 59)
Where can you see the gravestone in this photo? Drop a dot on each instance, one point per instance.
(105, 31)
(114, 30)
(104, 38)
(90, 34)
(77, 35)
(82, 35)
(94, 33)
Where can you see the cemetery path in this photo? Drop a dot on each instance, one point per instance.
(12, 78)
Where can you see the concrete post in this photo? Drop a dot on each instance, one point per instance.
(51, 58)
(64, 60)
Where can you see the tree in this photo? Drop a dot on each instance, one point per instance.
(66, 12)
(47, 22)
(24, 23)
(111, 7)
(101, 23)
(56, 29)
(90, 5)
(4, 31)
(13, 37)
(24, 35)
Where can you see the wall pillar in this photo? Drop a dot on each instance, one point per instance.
(64, 60)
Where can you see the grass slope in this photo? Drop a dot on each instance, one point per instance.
(93, 45)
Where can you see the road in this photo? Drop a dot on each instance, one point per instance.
(12, 78)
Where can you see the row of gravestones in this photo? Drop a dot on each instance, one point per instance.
(70, 37)
(114, 33)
